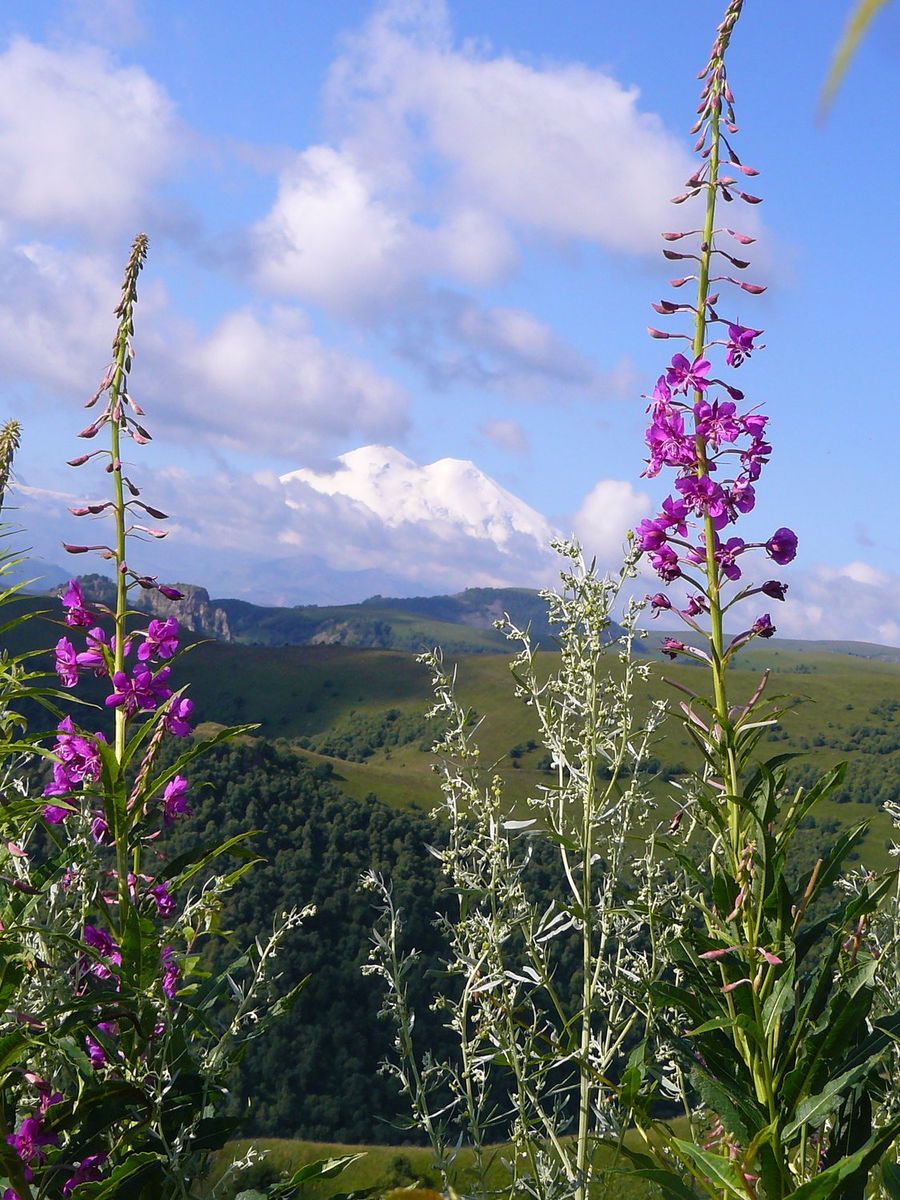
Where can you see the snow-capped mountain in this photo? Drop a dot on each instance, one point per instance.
(451, 492)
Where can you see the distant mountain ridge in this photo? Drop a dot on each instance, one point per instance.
(461, 623)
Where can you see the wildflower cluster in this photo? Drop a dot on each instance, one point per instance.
(746, 1011)
(119, 1049)
(699, 424)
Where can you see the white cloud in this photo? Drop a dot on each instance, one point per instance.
(268, 384)
(260, 381)
(855, 601)
(55, 314)
(612, 507)
(444, 160)
(506, 433)
(561, 149)
(83, 141)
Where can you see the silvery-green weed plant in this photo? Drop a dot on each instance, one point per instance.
(766, 1005)
(539, 1060)
(117, 1042)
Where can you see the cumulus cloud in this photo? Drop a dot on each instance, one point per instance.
(259, 380)
(505, 433)
(855, 601)
(608, 511)
(84, 142)
(265, 382)
(55, 324)
(444, 159)
(513, 137)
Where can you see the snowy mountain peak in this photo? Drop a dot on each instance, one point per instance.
(452, 492)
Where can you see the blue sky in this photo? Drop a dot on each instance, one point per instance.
(436, 226)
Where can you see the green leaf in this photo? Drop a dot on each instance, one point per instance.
(834, 860)
(212, 1132)
(820, 789)
(722, 1171)
(322, 1168)
(814, 1109)
(108, 1187)
(140, 950)
(885, 1029)
(779, 1001)
(736, 1110)
(824, 1186)
(223, 735)
(187, 865)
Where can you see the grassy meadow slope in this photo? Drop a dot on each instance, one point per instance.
(843, 707)
(360, 712)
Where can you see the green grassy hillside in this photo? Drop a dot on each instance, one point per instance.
(341, 704)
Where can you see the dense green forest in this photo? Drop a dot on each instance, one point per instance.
(316, 1076)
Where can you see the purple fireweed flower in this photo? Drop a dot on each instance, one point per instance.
(96, 1053)
(170, 593)
(671, 646)
(171, 972)
(143, 690)
(754, 458)
(87, 1171)
(659, 602)
(73, 602)
(661, 399)
(101, 941)
(45, 1090)
(100, 830)
(66, 664)
(740, 497)
(673, 513)
(740, 344)
(60, 784)
(665, 563)
(702, 495)
(177, 715)
(782, 546)
(97, 655)
(754, 425)
(763, 626)
(682, 375)
(79, 755)
(55, 813)
(695, 606)
(716, 422)
(727, 553)
(165, 901)
(724, 554)
(669, 445)
(175, 799)
(650, 535)
(28, 1143)
(774, 589)
(160, 640)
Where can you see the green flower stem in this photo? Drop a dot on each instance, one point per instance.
(759, 1060)
(121, 367)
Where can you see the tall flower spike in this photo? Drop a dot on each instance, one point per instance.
(10, 435)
